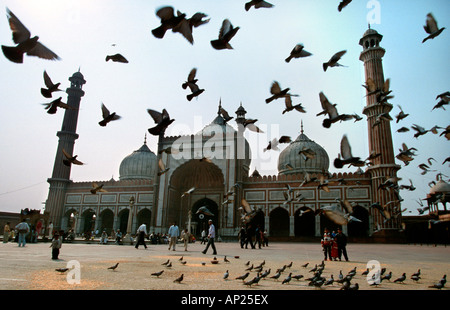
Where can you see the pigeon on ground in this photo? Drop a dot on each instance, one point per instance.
(179, 279)
(157, 274)
(226, 275)
(287, 279)
(114, 267)
(243, 277)
(400, 279)
(25, 43)
(62, 270)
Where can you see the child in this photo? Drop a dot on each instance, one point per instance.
(56, 245)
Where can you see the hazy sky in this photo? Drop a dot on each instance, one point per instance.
(82, 33)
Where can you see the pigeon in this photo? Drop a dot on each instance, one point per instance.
(409, 187)
(346, 154)
(380, 118)
(415, 278)
(51, 87)
(188, 192)
(343, 4)
(70, 159)
(116, 58)
(438, 285)
(443, 280)
(169, 265)
(277, 92)
(265, 273)
(420, 131)
(406, 154)
(403, 129)
(243, 277)
(257, 4)
(273, 145)
(226, 260)
(290, 107)
(107, 116)
(331, 111)
(387, 276)
(162, 167)
(226, 275)
(416, 274)
(157, 274)
(114, 267)
(330, 281)
(195, 91)
(168, 21)
(97, 188)
(298, 52)
(287, 279)
(25, 43)
(162, 121)
(431, 28)
(400, 279)
(226, 33)
(297, 277)
(333, 62)
(443, 102)
(62, 270)
(276, 276)
(401, 115)
(226, 116)
(185, 26)
(179, 279)
(53, 106)
(446, 133)
(305, 265)
(249, 268)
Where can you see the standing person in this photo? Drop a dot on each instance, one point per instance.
(118, 237)
(211, 236)
(141, 233)
(242, 236)
(203, 237)
(341, 240)
(56, 245)
(23, 229)
(104, 237)
(265, 238)
(6, 232)
(258, 236)
(250, 232)
(50, 230)
(334, 248)
(326, 244)
(186, 236)
(174, 233)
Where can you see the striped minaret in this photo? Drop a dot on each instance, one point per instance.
(379, 132)
(67, 136)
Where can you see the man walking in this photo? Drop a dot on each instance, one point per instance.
(211, 236)
(174, 233)
(341, 241)
(141, 233)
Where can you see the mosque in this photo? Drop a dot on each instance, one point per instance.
(145, 195)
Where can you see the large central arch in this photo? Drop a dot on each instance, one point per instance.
(208, 180)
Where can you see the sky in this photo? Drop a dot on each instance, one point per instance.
(84, 32)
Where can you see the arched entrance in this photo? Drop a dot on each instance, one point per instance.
(304, 222)
(359, 229)
(144, 217)
(279, 223)
(107, 218)
(200, 221)
(123, 220)
(89, 221)
(325, 222)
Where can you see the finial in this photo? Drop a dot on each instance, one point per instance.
(145, 138)
(220, 105)
(301, 127)
(369, 25)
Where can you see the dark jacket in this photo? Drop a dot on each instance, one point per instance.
(341, 239)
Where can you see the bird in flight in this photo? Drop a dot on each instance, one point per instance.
(431, 28)
(51, 87)
(333, 62)
(107, 116)
(226, 33)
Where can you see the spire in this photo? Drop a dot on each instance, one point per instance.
(301, 127)
(220, 105)
(145, 138)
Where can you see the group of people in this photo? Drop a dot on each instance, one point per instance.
(334, 245)
(253, 236)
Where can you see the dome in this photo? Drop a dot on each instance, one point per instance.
(141, 164)
(440, 187)
(290, 161)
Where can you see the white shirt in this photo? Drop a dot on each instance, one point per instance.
(212, 231)
(142, 228)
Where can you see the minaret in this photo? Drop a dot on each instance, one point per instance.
(67, 136)
(379, 132)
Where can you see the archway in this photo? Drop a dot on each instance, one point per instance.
(123, 220)
(144, 217)
(359, 229)
(201, 220)
(279, 222)
(325, 222)
(107, 217)
(304, 222)
(89, 221)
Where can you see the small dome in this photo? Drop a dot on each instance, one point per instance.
(141, 164)
(291, 162)
(440, 187)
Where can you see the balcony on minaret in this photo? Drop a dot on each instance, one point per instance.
(77, 80)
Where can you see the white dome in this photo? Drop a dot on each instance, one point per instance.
(141, 164)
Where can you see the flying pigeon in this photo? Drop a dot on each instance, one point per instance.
(51, 87)
(107, 116)
(116, 58)
(226, 33)
(257, 4)
(162, 121)
(277, 92)
(333, 62)
(298, 52)
(71, 159)
(431, 28)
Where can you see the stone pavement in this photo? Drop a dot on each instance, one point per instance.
(31, 267)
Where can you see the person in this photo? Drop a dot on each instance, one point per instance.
(23, 229)
(265, 238)
(258, 236)
(203, 237)
(211, 236)
(242, 236)
(56, 245)
(141, 232)
(118, 237)
(174, 233)
(50, 230)
(341, 240)
(186, 236)
(104, 238)
(249, 238)
(334, 248)
(326, 244)
(6, 232)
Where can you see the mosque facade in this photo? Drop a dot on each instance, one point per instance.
(203, 167)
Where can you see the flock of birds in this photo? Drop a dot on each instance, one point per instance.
(179, 22)
(314, 276)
